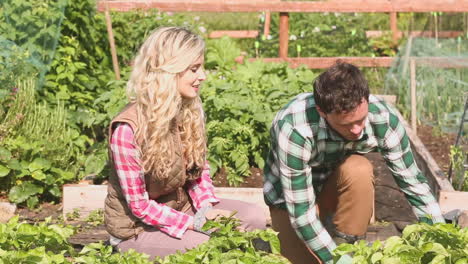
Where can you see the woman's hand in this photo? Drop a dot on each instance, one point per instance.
(214, 214)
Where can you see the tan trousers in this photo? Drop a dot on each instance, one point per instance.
(347, 197)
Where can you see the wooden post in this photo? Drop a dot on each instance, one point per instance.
(266, 26)
(413, 94)
(110, 34)
(283, 35)
(394, 27)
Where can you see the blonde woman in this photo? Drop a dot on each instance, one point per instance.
(160, 193)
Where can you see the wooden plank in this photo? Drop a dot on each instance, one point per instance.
(413, 94)
(345, 6)
(442, 62)
(266, 27)
(451, 200)
(326, 62)
(283, 35)
(110, 35)
(393, 27)
(85, 198)
(233, 33)
(400, 34)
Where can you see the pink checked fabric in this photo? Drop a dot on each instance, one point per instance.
(132, 181)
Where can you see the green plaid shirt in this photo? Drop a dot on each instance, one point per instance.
(304, 151)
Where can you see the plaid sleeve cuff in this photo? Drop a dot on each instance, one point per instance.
(179, 229)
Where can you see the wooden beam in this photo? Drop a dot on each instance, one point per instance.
(233, 33)
(394, 27)
(283, 35)
(110, 36)
(325, 62)
(451, 200)
(266, 26)
(442, 62)
(442, 34)
(87, 197)
(414, 122)
(344, 6)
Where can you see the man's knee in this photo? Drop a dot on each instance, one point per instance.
(357, 168)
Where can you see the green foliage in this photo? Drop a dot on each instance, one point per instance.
(48, 243)
(38, 243)
(229, 245)
(34, 26)
(37, 150)
(15, 62)
(95, 217)
(221, 54)
(45, 242)
(420, 243)
(132, 28)
(82, 65)
(98, 253)
(240, 104)
(319, 35)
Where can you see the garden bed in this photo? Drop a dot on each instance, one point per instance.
(392, 211)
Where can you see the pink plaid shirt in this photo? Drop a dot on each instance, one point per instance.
(132, 181)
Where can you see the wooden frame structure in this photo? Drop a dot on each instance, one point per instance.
(344, 6)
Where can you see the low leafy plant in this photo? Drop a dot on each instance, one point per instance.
(39, 243)
(228, 244)
(420, 243)
(45, 242)
(95, 217)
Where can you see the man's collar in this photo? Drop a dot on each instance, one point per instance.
(325, 131)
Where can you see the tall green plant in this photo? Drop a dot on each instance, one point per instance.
(38, 149)
(458, 159)
(240, 102)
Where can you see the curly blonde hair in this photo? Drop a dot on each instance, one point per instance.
(162, 112)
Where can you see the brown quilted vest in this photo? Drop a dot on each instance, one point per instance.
(119, 220)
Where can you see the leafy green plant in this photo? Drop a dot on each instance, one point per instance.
(240, 103)
(45, 242)
(102, 254)
(420, 243)
(229, 245)
(39, 243)
(37, 149)
(34, 26)
(319, 35)
(95, 217)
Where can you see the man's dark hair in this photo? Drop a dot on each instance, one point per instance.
(340, 89)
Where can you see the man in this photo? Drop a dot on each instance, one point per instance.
(319, 186)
